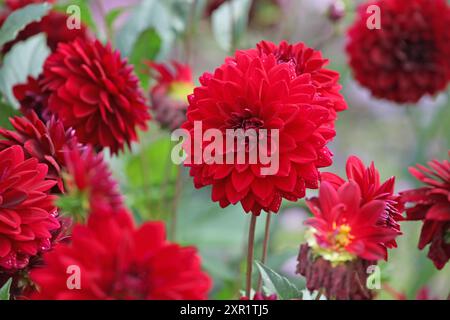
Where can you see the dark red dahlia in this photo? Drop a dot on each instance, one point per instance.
(27, 212)
(89, 184)
(305, 60)
(344, 238)
(32, 98)
(45, 142)
(169, 95)
(431, 204)
(54, 25)
(371, 188)
(118, 261)
(260, 97)
(407, 57)
(93, 90)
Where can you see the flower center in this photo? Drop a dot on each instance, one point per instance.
(179, 90)
(341, 236)
(245, 121)
(131, 284)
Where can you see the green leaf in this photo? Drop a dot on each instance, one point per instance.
(229, 22)
(277, 284)
(4, 291)
(150, 14)
(146, 48)
(6, 112)
(25, 58)
(85, 10)
(19, 19)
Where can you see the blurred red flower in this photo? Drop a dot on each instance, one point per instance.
(408, 57)
(169, 95)
(27, 212)
(17, 4)
(89, 183)
(118, 261)
(32, 98)
(368, 180)
(43, 141)
(253, 92)
(54, 25)
(431, 204)
(344, 238)
(93, 90)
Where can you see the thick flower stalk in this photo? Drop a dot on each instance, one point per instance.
(431, 205)
(407, 58)
(116, 260)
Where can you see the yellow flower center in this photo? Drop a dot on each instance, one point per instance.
(341, 236)
(179, 90)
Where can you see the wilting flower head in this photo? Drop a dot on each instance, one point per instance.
(169, 95)
(93, 90)
(43, 141)
(368, 180)
(260, 97)
(54, 25)
(344, 238)
(305, 60)
(32, 98)
(118, 261)
(407, 57)
(27, 212)
(431, 204)
(89, 184)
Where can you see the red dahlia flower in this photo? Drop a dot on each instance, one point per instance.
(89, 184)
(32, 98)
(54, 25)
(307, 60)
(252, 93)
(169, 95)
(431, 204)
(44, 142)
(95, 92)
(27, 212)
(118, 261)
(408, 57)
(371, 188)
(343, 240)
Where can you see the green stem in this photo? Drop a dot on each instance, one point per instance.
(250, 249)
(265, 247)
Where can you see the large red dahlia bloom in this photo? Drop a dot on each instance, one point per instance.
(54, 25)
(89, 183)
(253, 93)
(431, 204)
(45, 142)
(93, 90)
(408, 57)
(343, 240)
(117, 261)
(368, 180)
(169, 95)
(27, 212)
